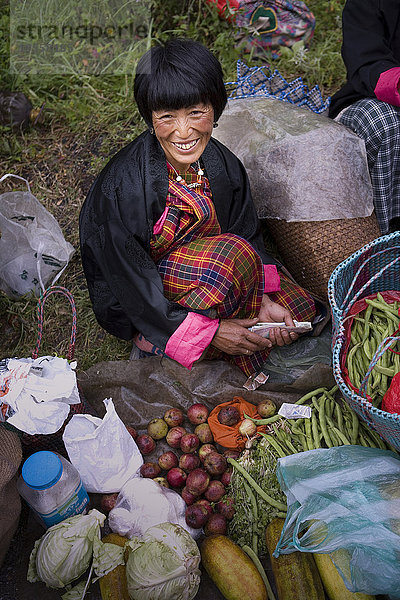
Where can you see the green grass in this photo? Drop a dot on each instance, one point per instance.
(83, 98)
(87, 118)
(322, 63)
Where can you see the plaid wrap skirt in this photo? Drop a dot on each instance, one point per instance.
(225, 273)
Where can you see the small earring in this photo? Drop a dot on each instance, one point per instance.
(215, 124)
(151, 129)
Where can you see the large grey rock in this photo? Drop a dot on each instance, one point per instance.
(302, 166)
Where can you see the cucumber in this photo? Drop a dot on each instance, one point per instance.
(296, 574)
(333, 582)
(232, 571)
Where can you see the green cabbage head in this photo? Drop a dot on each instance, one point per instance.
(163, 564)
(65, 551)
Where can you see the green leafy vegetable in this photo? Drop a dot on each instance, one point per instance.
(248, 525)
(65, 551)
(163, 564)
(106, 557)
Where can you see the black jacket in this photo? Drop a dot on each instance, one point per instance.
(371, 45)
(116, 224)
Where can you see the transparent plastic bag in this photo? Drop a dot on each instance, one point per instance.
(143, 503)
(33, 251)
(286, 364)
(345, 501)
(301, 166)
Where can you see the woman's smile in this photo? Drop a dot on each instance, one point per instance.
(185, 145)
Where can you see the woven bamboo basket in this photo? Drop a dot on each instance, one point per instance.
(311, 250)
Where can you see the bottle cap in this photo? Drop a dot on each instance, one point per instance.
(42, 470)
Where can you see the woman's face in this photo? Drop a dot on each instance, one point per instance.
(184, 133)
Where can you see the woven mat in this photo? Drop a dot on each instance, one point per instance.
(311, 250)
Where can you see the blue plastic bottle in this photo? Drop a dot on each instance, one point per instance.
(52, 487)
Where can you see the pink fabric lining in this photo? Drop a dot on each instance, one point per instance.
(272, 280)
(191, 338)
(387, 87)
(159, 225)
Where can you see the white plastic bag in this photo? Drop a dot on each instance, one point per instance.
(37, 393)
(143, 503)
(33, 251)
(102, 450)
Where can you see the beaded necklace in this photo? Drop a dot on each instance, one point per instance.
(195, 184)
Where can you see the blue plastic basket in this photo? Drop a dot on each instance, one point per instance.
(373, 268)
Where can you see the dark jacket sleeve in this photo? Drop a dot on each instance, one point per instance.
(371, 46)
(245, 221)
(367, 51)
(124, 285)
(125, 288)
(234, 203)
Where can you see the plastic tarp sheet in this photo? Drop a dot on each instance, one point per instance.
(144, 389)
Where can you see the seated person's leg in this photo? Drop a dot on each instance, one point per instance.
(220, 276)
(226, 274)
(378, 123)
(222, 272)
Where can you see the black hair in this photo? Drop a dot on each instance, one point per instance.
(178, 74)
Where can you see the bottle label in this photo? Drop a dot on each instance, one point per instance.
(76, 504)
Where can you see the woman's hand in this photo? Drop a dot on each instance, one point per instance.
(233, 337)
(272, 312)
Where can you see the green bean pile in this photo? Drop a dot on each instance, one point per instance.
(369, 328)
(254, 486)
(334, 423)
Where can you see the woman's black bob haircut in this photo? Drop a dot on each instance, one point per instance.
(178, 74)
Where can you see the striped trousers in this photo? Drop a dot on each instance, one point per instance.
(378, 123)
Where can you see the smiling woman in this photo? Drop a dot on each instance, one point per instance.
(184, 134)
(170, 238)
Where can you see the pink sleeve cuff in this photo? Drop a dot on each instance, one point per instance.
(272, 280)
(387, 87)
(191, 338)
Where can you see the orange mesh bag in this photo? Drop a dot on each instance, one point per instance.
(229, 436)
